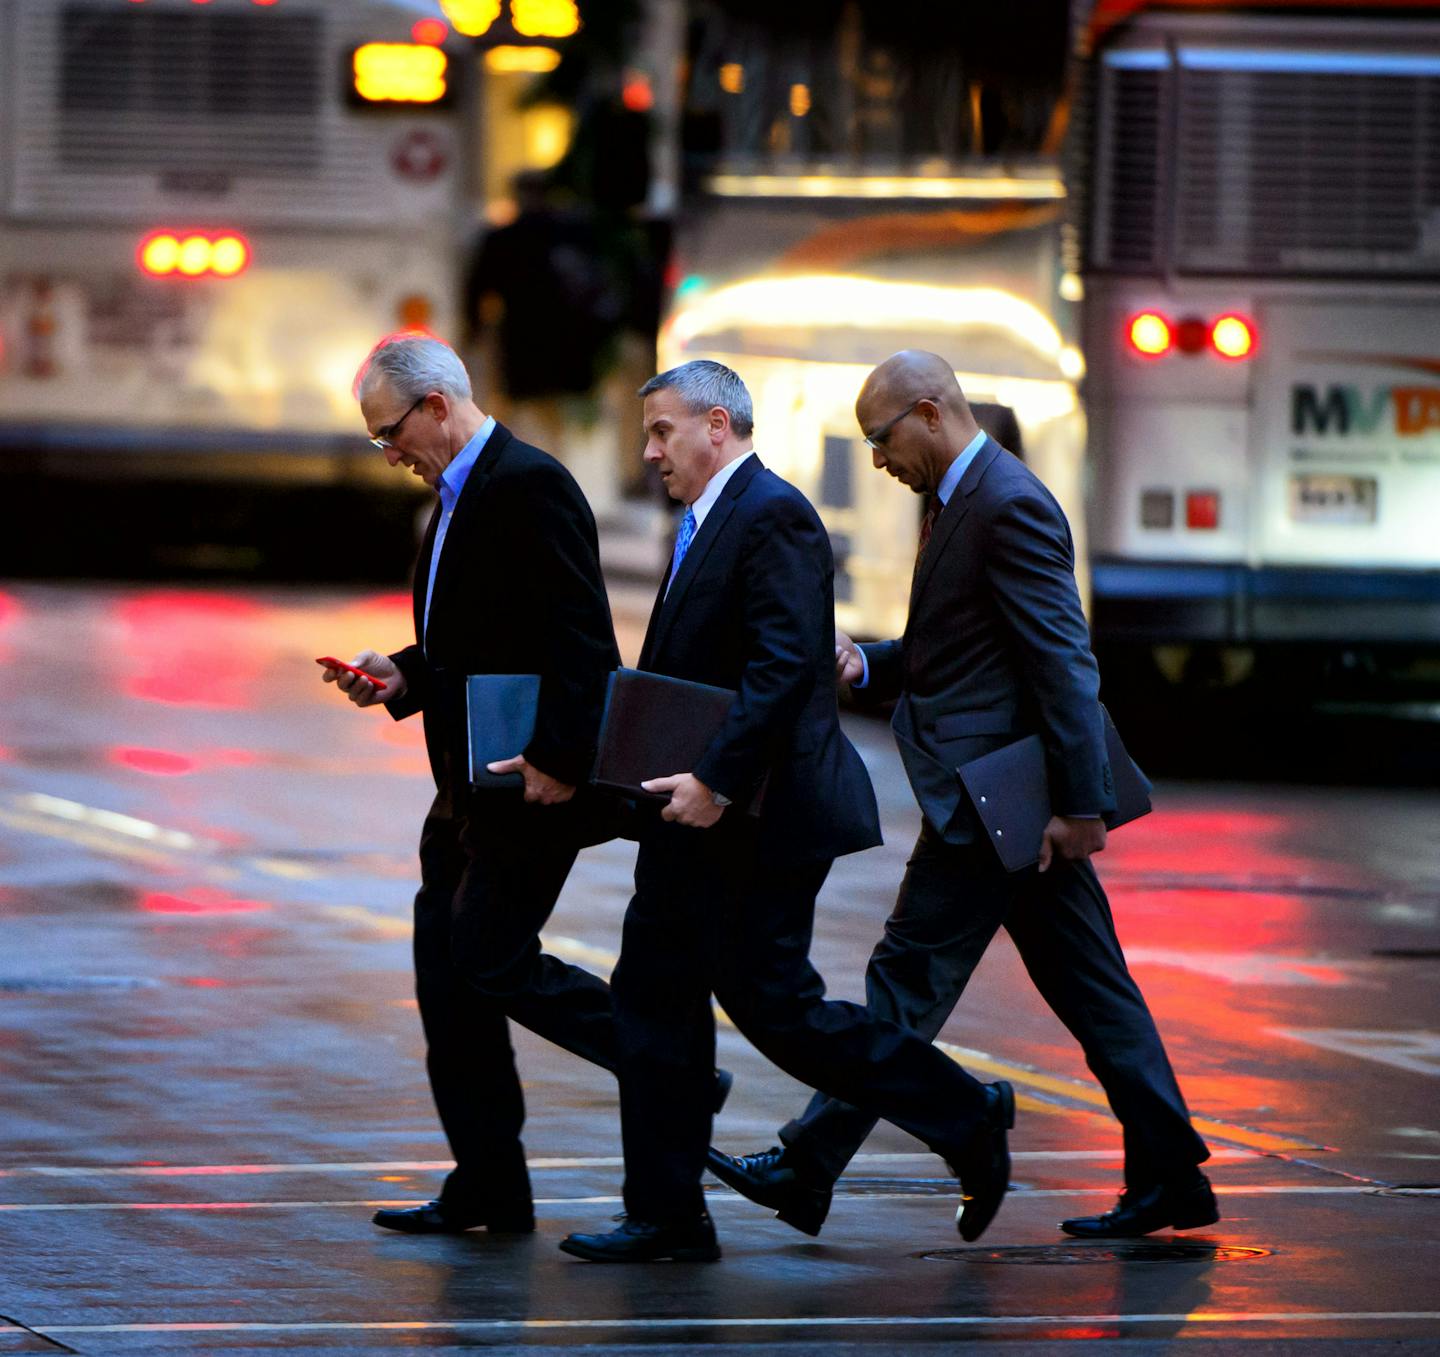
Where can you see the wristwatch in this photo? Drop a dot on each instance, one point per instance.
(720, 799)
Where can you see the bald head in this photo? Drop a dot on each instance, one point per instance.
(912, 375)
(912, 408)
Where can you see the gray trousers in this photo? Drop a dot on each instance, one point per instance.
(952, 900)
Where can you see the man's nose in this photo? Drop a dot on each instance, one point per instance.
(392, 455)
(652, 453)
(877, 457)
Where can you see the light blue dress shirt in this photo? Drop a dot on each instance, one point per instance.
(948, 482)
(450, 484)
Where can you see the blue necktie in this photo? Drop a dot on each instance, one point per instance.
(683, 537)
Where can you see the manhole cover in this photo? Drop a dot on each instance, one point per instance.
(1098, 1253)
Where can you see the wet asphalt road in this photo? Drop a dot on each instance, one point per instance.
(211, 1062)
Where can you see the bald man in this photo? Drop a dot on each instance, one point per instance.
(995, 648)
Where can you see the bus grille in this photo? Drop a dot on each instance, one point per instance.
(1270, 172)
(179, 113)
(176, 92)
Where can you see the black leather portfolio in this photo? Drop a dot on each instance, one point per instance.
(655, 726)
(500, 711)
(1010, 791)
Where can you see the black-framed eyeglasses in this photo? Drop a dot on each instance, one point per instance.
(877, 439)
(383, 436)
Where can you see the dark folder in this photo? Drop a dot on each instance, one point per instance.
(655, 726)
(1010, 792)
(500, 713)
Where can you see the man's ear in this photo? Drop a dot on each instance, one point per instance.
(719, 424)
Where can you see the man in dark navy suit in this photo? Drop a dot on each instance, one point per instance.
(508, 582)
(995, 648)
(724, 901)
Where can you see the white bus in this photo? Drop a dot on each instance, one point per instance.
(1262, 332)
(855, 185)
(208, 213)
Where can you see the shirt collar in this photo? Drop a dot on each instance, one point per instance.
(959, 467)
(714, 486)
(452, 480)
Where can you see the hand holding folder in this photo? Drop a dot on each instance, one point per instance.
(1010, 791)
(655, 726)
(500, 712)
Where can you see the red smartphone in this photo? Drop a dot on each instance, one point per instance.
(330, 662)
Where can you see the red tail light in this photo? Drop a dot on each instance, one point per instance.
(1202, 509)
(1150, 334)
(193, 254)
(1232, 336)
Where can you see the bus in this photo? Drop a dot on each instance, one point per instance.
(853, 183)
(1261, 326)
(208, 213)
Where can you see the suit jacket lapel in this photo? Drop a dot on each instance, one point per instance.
(955, 510)
(667, 606)
(422, 572)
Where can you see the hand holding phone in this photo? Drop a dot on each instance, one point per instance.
(330, 662)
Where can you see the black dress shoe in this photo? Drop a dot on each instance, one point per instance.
(984, 1166)
(441, 1217)
(1180, 1204)
(775, 1179)
(638, 1241)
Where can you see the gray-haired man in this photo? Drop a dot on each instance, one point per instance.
(508, 581)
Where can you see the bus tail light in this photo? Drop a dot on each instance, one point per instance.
(1202, 508)
(194, 254)
(1232, 336)
(1150, 334)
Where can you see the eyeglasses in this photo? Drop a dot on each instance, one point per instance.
(877, 439)
(383, 436)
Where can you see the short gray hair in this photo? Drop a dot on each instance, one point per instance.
(702, 385)
(414, 365)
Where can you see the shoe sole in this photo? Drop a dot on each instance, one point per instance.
(1189, 1220)
(696, 1255)
(808, 1218)
(973, 1230)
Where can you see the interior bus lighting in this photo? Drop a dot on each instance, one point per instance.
(521, 60)
(193, 254)
(400, 73)
(472, 18)
(1150, 334)
(1232, 336)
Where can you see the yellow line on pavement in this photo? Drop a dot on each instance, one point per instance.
(1094, 1096)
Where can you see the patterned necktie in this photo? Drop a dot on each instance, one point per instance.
(683, 537)
(927, 526)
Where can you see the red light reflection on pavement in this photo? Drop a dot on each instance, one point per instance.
(1207, 842)
(10, 613)
(158, 762)
(193, 649)
(201, 901)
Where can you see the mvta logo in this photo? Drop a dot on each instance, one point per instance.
(1345, 410)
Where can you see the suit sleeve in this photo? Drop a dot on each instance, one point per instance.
(572, 622)
(784, 567)
(412, 663)
(1030, 564)
(887, 671)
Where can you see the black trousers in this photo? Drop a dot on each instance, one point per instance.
(952, 901)
(708, 916)
(491, 869)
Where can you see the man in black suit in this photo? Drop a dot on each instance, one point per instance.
(724, 900)
(995, 648)
(508, 582)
